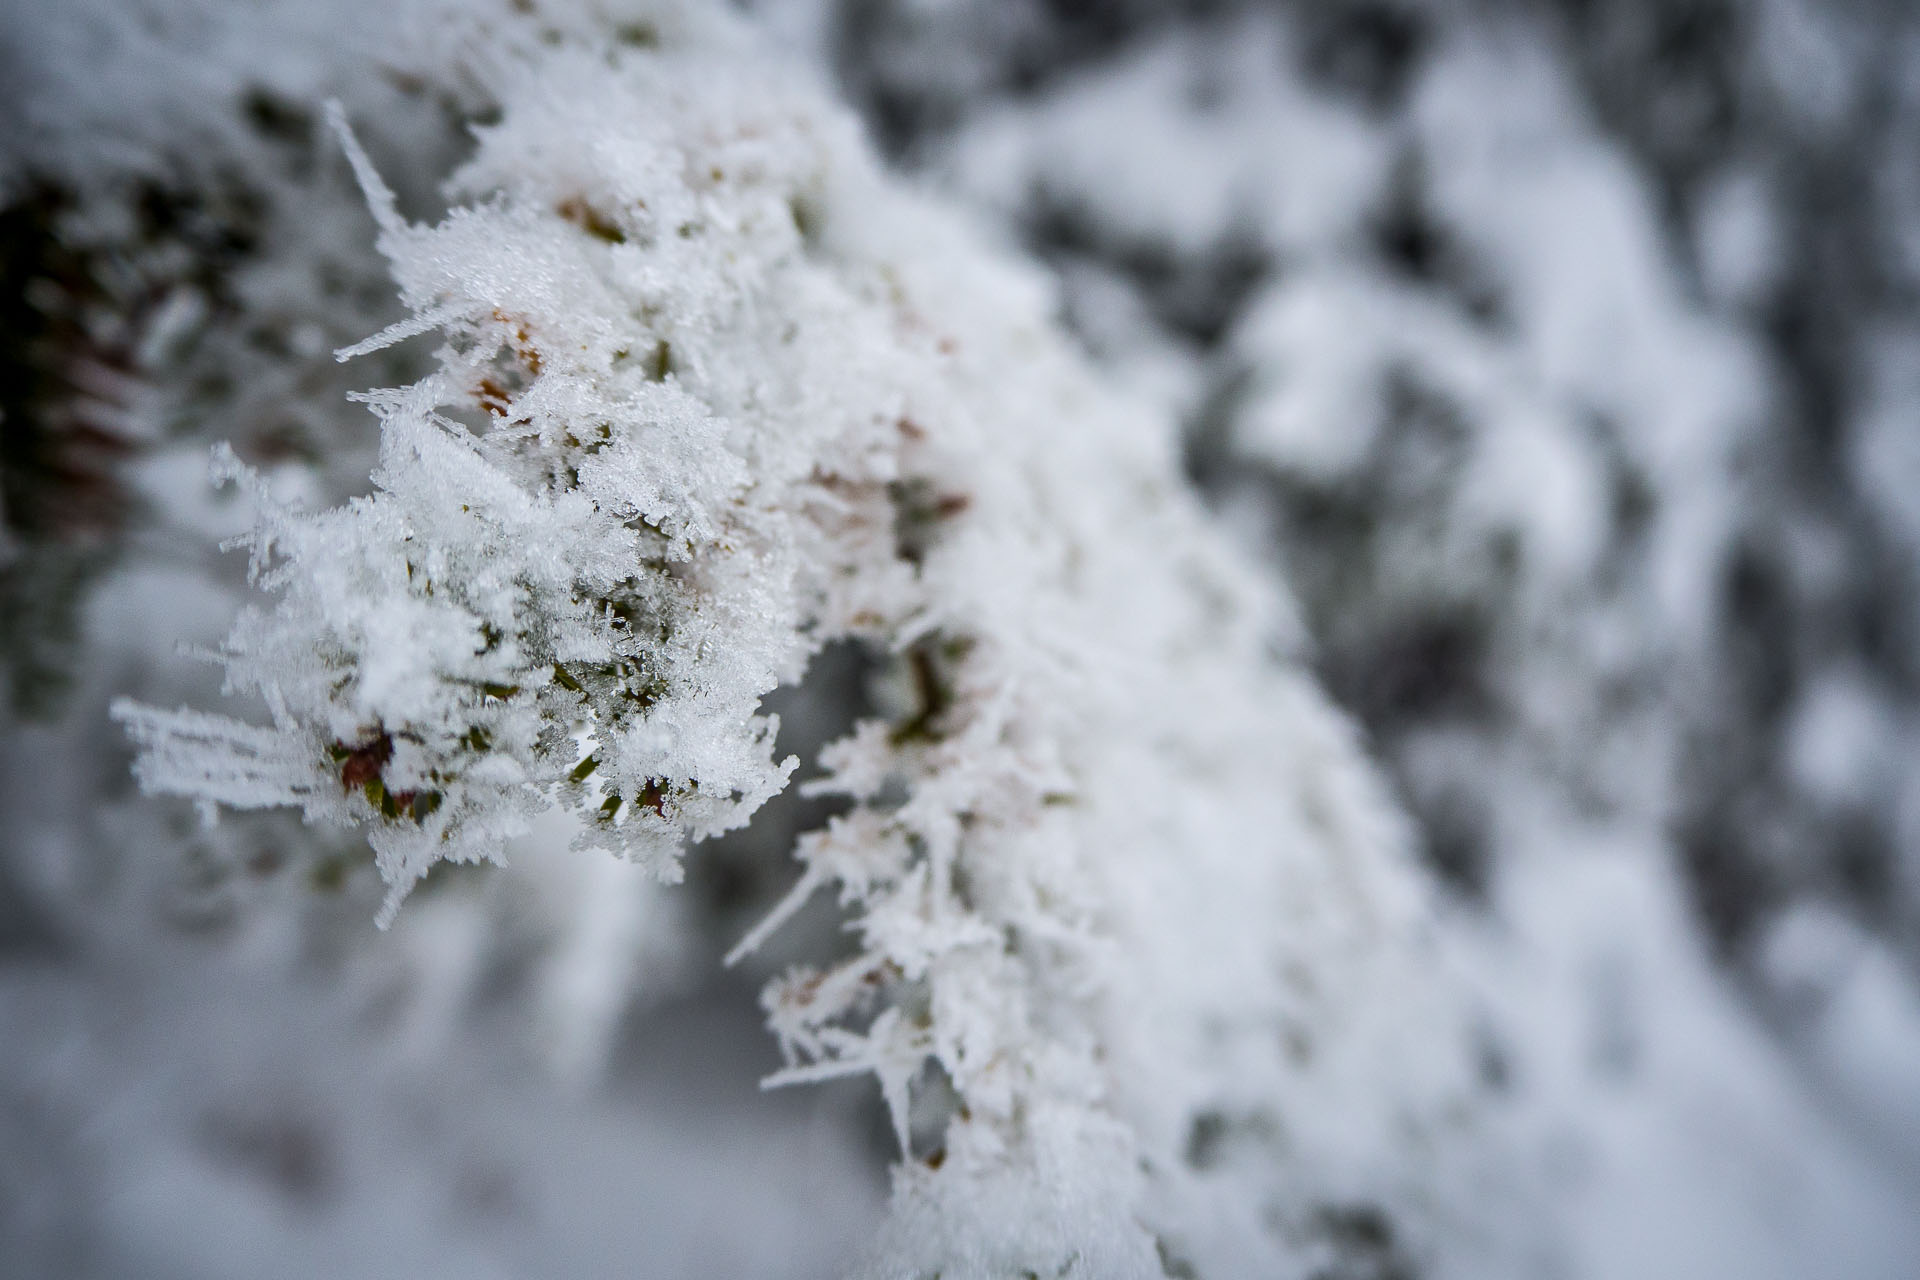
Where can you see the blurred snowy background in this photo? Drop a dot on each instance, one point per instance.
(1562, 358)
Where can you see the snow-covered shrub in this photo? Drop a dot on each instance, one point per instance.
(723, 424)
(714, 395)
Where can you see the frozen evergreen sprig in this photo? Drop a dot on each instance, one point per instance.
(714, 393)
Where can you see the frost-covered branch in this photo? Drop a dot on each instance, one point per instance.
(714, 393)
